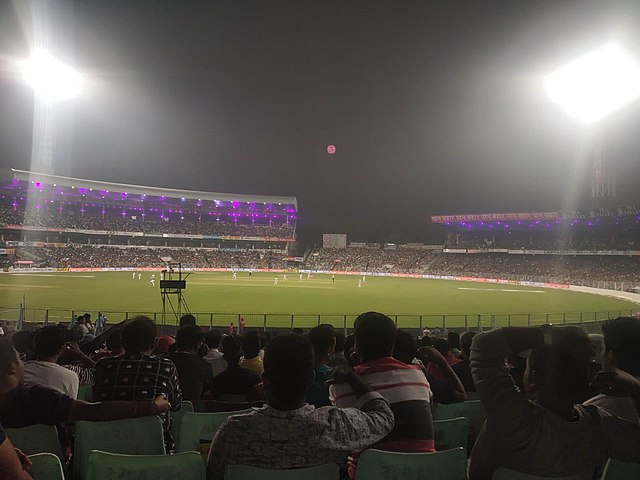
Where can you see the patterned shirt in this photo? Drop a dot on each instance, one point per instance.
(85, 375)
(305, 437)
(138, 377)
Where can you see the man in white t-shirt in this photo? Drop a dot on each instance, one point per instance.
(621, 350)
(214, 356)
(49, 343)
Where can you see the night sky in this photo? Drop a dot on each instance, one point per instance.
(434, 107)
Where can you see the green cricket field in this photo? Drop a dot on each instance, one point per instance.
(217, 299)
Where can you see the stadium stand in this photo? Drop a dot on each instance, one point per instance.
(32, 202)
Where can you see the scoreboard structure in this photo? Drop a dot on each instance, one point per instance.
(334, 240)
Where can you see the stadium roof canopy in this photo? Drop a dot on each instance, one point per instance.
(20, 181)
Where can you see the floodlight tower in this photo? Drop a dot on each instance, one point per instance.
(589, 89)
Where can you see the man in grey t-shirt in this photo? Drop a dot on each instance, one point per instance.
(621, 350)
(542, 431)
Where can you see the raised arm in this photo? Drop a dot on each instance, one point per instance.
(113, 410)
(456, 390)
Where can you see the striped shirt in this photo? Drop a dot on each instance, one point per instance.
(408, 392)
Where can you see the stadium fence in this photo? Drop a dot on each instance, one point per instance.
(20, 317)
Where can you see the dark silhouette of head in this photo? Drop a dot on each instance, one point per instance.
(139, 335)
(232, 350)
(251, 344)
(288, 370)
(375, 335)
(406, 347)
(453, 339)
(553, 373)
(622, 344)
(212, 338)
(442, 346)
(465, 343)
(48, 342)
(187, 319)
(189, 338)
(323, 340)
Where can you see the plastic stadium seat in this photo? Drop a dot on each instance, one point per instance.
(217, 406)
(379, 465)
(508, 474)
(472, 410)
(185, 407)
(36, 439)
(617, 470)
(85, 392)
(135, 436)
(113, 466)
(328, 471)
(450, 433)
(46, 466)
(196, 430)
(473, 396)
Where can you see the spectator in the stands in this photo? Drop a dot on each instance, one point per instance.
(405, 386)
(251, 349)
(187, 319)
(23, 406)
(14, 464)
(621, 341)
(137, 375)
(194, 374)
(287, 433)
(164, 344)
(449, 390)
(338, 357)
(235, 384)
(22, 341)
(463, 368)
(542, 431)
(453, 341)
(323, 340)
(442, 346)
(49, 343)
(113, 347)
(214, 356)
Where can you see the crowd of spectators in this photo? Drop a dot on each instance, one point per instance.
(102, 256)
(577, 270)
(151, 222)
(605, 271)
(563, 417)
(602, 238)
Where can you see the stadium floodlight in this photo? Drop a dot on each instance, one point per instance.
(596, 84)
(51, 80)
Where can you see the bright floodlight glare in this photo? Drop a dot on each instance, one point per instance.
(596, 84)
(51, 80)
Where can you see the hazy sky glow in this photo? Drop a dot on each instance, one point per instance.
(433, 107)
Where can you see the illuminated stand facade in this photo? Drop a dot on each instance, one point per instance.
(87, 212)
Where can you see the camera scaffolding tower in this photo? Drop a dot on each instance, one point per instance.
(171, 286)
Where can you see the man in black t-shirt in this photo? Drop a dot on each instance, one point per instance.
(195, 375)
(137, 374)
(235, 384)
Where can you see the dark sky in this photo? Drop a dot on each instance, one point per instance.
(435, 107)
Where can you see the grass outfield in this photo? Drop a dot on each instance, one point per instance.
(116, 292)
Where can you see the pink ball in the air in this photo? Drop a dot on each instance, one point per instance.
(331, 149)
